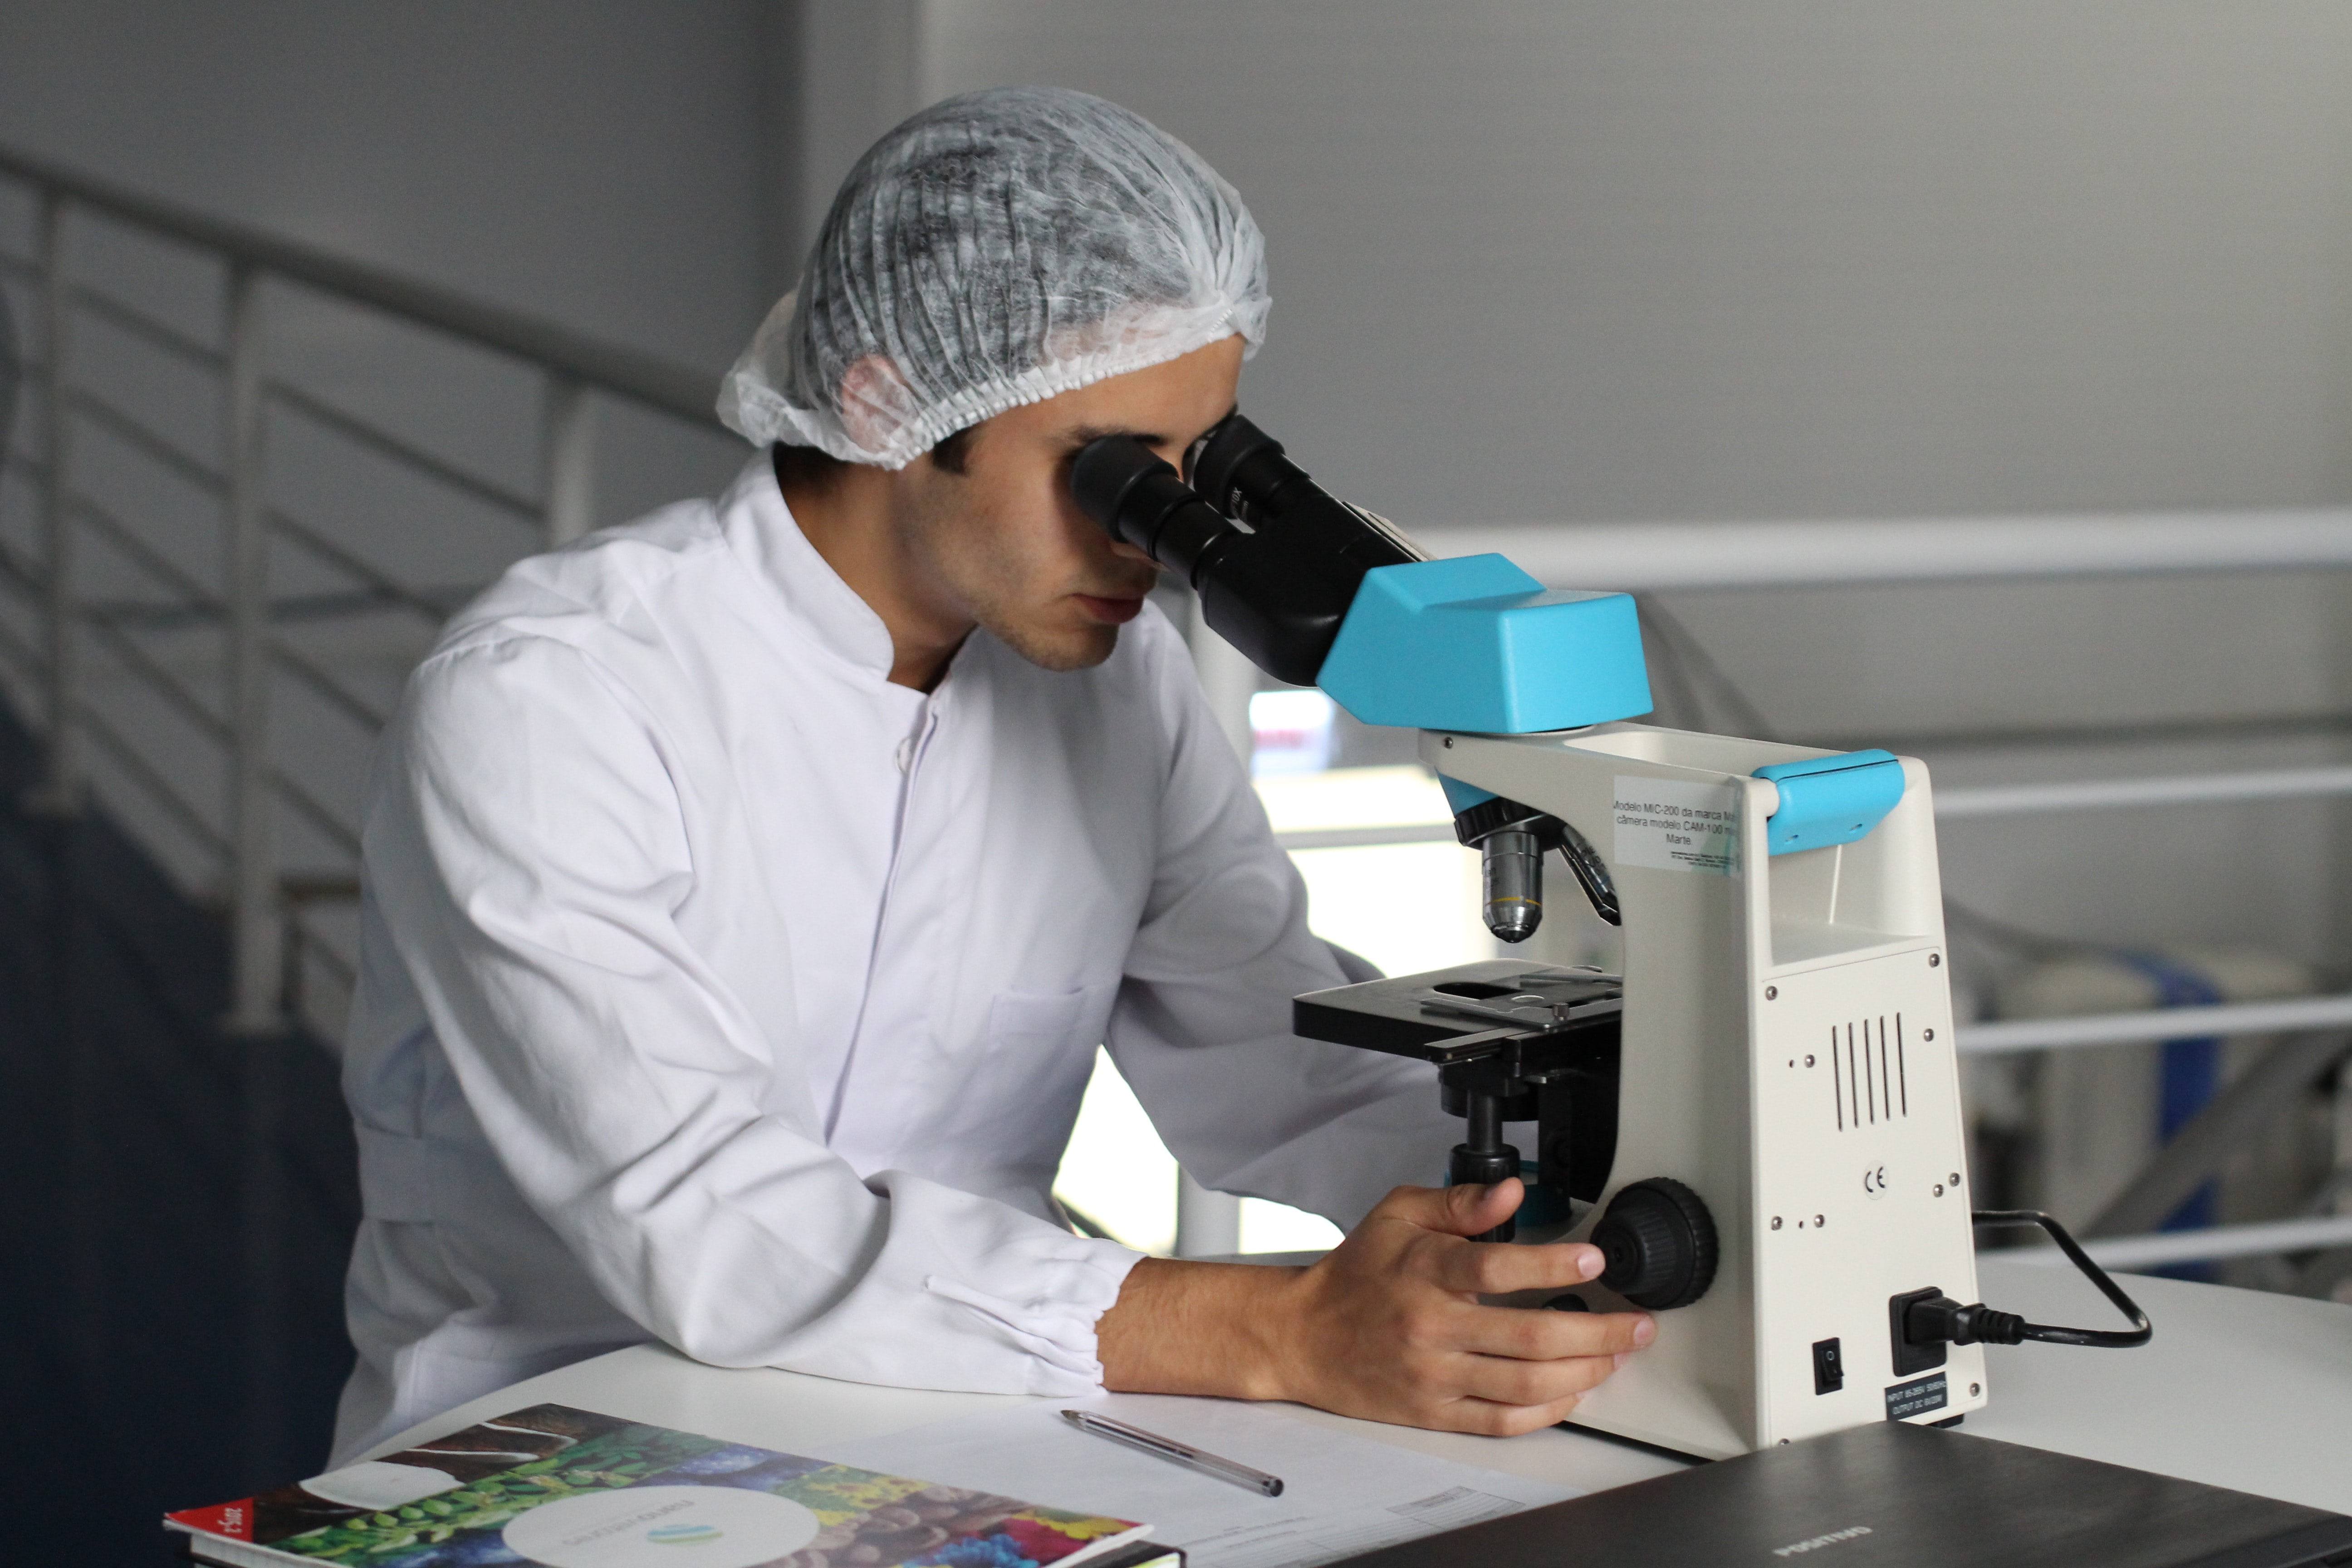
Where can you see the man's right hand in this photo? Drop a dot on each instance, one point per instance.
(1388, 1327)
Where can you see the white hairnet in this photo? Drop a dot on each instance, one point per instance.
(995, 249)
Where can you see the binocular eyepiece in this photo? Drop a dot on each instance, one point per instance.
(1275, 558)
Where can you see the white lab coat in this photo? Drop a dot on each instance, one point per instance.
(715, 990)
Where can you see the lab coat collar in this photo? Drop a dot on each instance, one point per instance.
(760, 526)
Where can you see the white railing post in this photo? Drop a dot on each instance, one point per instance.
(1208, 1224)
(257, 938)
(570, 486)
(1227, 678)
(63, 776)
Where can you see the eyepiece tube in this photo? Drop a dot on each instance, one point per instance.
(1514, 876)
(1139, 500)
(1277, 597)
(1245, 473)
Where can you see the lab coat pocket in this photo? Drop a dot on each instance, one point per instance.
(395, 1177)
(1031, 1070)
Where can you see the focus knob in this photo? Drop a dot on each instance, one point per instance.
(1659, 1244)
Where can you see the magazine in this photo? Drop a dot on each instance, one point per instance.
(570, 1489)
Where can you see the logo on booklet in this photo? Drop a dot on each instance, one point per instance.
(684, 1535)
(1799, 1548)
(735, 1527)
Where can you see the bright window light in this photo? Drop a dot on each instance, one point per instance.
(1402, 906)
(1290, 732)
(1118, 1173)
(1279, 1228)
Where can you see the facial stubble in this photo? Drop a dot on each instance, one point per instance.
(978, 560)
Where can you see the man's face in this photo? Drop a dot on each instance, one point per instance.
(1003, 544)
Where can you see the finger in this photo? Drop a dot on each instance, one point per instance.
(1490, 1418)
(1494, 1271)
(1537, 1334)
(1470, 1208)
(1509, 1381)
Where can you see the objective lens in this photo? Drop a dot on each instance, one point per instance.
(1514, 876)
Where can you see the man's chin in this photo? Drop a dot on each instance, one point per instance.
(1062, 649)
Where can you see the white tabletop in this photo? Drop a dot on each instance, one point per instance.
(2239, 1389)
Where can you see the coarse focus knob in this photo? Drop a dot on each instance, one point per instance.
(1659, 1244)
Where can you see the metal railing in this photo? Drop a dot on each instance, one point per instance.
(265, 905)
(1706, 556)
(2156, 1250)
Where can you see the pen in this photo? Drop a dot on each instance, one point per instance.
(1168, 1449)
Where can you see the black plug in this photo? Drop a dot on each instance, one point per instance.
(1937, 1319)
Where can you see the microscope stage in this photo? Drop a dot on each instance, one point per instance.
(1461, 1014)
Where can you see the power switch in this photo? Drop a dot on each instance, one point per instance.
(1829, 1367)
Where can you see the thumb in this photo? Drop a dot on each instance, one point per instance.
(1469, 1209)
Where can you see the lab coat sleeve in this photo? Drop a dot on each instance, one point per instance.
(528, 849)
(1202, 1031)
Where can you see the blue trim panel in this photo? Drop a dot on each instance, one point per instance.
(1476, 644)
(1830, 800)
(1460, 797)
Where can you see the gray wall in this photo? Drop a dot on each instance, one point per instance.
(604, 163)
(1703, 259)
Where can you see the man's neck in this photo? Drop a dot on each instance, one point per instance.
(850, 521)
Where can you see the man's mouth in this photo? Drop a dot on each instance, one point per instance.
(1110, 612)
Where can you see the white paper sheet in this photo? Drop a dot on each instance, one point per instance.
(1341, 1494)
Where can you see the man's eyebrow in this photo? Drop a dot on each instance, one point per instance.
(1085, 433)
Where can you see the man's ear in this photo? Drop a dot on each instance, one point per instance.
(876, 403)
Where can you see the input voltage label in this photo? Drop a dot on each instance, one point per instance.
(1905, 1400)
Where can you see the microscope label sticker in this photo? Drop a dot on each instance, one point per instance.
(1905, 1400)
(1672, 825)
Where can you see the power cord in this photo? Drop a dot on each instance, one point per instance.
(1939, 1318)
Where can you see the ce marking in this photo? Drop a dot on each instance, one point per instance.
(1874, 1181)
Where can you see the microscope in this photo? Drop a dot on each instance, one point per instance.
(1757, 1121)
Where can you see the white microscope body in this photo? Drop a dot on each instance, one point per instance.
(1787, 1053)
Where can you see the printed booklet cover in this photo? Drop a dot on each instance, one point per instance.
(570, 1489)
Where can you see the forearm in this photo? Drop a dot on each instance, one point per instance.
(1199, 1328)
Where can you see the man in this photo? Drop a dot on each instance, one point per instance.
(747, 889)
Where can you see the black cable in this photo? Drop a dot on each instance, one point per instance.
(1688, 664)
(1678, 700)
(1939, 1318)
(2015, 938)
(2107, 1339)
